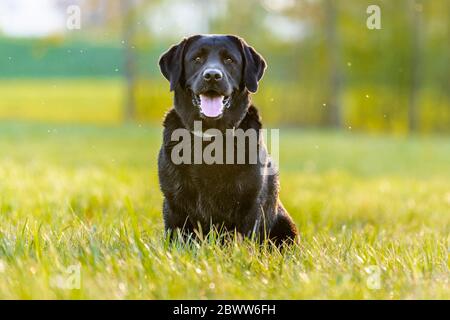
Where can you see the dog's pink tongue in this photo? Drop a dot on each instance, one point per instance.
(211, 106)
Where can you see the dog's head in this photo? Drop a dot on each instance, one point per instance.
(212, 76)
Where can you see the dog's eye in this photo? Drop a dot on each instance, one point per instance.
(198, 59)
(228, 61)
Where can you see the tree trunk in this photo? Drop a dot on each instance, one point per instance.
(128, 26)
(206, 15)
(333, 115)
(416, 39)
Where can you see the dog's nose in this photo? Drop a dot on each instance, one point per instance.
(212, 74)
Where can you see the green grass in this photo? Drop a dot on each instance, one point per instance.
(89, 195)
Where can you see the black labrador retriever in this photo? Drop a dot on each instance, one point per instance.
(212, 77)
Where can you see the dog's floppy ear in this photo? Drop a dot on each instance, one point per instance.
(171, 63)
(254, 66)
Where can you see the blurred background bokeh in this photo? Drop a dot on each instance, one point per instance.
(326, 67)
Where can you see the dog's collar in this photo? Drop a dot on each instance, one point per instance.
(207, 135)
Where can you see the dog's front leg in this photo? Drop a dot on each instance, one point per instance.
(176, 223)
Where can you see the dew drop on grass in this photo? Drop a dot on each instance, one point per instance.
(122, 287)
(304, 277)
(448, 198)
(360, 260)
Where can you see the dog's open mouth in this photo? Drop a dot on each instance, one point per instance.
(211, 103)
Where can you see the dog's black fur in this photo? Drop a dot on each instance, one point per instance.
(230, 196)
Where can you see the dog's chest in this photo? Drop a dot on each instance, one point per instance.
(222, 191)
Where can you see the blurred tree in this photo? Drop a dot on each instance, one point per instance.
(415, 9)
(128, 30)
(325, 66)
(334, 115)
(205, 6)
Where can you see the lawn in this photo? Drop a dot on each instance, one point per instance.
(373, 213)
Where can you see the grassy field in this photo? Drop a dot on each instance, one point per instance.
(373, 212)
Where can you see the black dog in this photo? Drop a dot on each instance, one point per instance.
(212, 77)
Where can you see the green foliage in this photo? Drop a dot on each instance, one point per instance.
(89, 195)
(404, 62)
